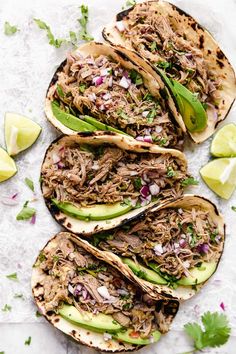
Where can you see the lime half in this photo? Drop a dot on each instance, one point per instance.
(7, 166)
(220, 176)
(224, 141)
(20, 133)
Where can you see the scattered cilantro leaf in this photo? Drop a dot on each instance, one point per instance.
(189, 181)
(56, 42)
(60, 91)
(26, 213)
(216, 330)
(73, 37)
(233, 208)
(19, 296)
(153, 46)
(9, 30)
(151, 115)
(82, 87)
(163, 64)
(12, 276)
(28, 341)
(129, 3)
(138, 183)
(135, 77)
(6, 308)
(83, 21)
(38, 314)
(2, 352)
(29, 183)
(170, 172)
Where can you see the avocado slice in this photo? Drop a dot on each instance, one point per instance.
(95, 212)
(71, 121)
(85, 319)
(102, 126)
(126, 337)
(143, 272)
(198, 274)
(190, 108)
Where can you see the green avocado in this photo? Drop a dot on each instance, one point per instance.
(95, 212)
(143, 272)
(98, 323)
(101, 126)
(125, 337)
(190, 108)
(198, 274)
(71, 121)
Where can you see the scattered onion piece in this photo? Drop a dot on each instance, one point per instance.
(120, 26)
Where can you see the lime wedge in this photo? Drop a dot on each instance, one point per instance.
(224, 141)
(20, 133)
(7, 166)
(220, 176)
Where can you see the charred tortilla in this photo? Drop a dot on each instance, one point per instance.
(109, 178)
(172, 41)
(175, 246)
(106, 310)
(100, 87)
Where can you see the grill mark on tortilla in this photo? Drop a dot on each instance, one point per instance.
(201, 41)
(220, 63)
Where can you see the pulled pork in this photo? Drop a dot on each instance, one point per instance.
(117, 97)
(175, 239)
(95, 287)
(88, 175)
(157, 38)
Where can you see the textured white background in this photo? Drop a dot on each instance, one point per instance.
(27, 63)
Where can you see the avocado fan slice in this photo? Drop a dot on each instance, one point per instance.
(127, 337)
(190, 108)
(95, 212)
(101, 126)
(198, 275)
(71, 121)
(98, 323)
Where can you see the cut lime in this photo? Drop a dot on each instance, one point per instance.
(224, 141)
(20, 133)
(7, 166)
(220, 176)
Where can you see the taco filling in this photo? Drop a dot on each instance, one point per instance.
(107, 181)
(160, 39)
(116, 97)
(172, 246)
(90, 293)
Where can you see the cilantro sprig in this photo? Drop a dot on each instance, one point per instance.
(189, 181)
(56, 42)
(216, 331)
(83, 21)
(9, 30)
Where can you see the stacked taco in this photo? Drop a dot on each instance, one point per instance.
(88, 299)
(195, 69)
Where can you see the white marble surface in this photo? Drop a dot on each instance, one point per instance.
(27, 64)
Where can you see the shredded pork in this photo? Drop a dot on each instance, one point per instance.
(117, 97)
(159, 39)
(174, 239)
(65, 282)
(106, 174)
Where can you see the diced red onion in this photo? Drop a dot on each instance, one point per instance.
(107, 336)
(10, 200)
(218, 238)
(33, 219)
(97, 80)
(144, 191)
(158, 129)
(60, 164)
(103, 291)
(145, 178)
(146, 138)
(158, 249)
(55, 158)
(133, 202)
(110, 82)
(85, 293)
(186, 264)
(180, 211)
(122, 292)
(133, 173)
(189, 55)
(102, 107)
(120, 26)
(71, 289)
(182, 243)
(222, 305)
(145, 201)
(92, 97)
(116, 72)
(95, 166)
(203, 248)
(107, 96)
(215, 114)
(90, 61)
(126, 74)
(144, 114)
(86, 73)
(125, 83)
(105, 72)
(154, 189)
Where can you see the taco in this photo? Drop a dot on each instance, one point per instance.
(174, 247)
(197, 72)
(96, 181)
(92, 302)
(98, 87)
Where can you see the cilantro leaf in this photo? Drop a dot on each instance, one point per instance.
(73, 37)
(12, 276)
(233, 208)
(19, 296)
(26, 212)
(9, 30)
(216, 331)
(129, 3)
(52, 40)
(189, 181)
(83, 21)
(135, 77)
(38, 314)
(29, 183)
(6, 308)
(60, 91)
(28, 341)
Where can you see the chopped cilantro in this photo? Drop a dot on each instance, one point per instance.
(12, 276)
(28, 341)
(135, 77)
(189, 181)
(26, 212)
(6, 308)
(9, 30)
(126, 201)
(38, 314)
(82, 87)
(148, 97)
(73, 37)
(164, 64)
(19, 296)
(60, 91)
(233, 208)
(122, 114)
(83, 21)
(52, 40)
(153, 46)
(127, 306)
(151, 115)
(138, 183)
(170, 172)
(29, 183)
